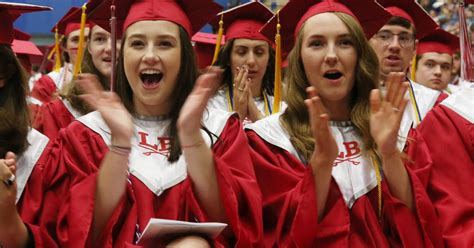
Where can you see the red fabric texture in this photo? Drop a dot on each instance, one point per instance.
(70, 176)
(290, 208)
(51, 118)
(44, 89)
(450, 141)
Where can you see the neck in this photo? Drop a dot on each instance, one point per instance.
(151, 110)
(338, 110)
(256, 89)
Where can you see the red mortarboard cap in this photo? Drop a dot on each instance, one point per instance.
(20, 35)
(438, 41)
(22, 45)
(413, 12)
(99, 13)
(204, 46)
(370, 15)
(70, 22)
(192, 15)
(244, 21)
(9, 12)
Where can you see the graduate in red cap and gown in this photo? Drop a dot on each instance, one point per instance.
(20, 146)
(395, 44)
(248, 59)
(434, 60)
(48, 86)
(328, 167)
(448, 132)
(117, 167)
(69, 106)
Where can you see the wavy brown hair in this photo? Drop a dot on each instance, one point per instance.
(188, 73)
(295, 119)
(14, 116)
(223, 61)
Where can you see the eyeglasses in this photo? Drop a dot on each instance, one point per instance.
(404, 39)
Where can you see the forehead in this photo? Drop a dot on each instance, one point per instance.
(153, 28)
(396, 29)
(437, 57)
(98, 30)
(78, 32)
(324, 24)
(250, 43)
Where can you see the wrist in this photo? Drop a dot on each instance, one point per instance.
(121, 141)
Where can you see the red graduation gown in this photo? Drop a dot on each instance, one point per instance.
(290, 212)
(450, 140)
(70, 175)
(44, 89)
(51, 117)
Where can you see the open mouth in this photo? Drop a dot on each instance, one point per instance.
(151, 78)
(393, 58)
(334, 75)
(108, 60)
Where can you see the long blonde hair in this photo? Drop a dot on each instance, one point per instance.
(295, 119)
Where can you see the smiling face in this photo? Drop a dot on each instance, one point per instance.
(254, 54)
(152, 57)
(329, 57)
(100, 50)
(434, 70)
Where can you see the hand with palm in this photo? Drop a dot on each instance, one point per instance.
(109, 105)
(325, 149)
(189, 121)
(386, 113)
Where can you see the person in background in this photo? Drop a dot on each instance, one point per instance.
(395, 45)
(47, 88)
(248, 60)
(434, 60)
(61, 112)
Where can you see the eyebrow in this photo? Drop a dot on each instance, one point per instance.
(345, 35)
(162, 36)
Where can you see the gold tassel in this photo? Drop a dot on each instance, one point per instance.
(57, 52)
(277, 86)
(413, 69)
(220, 33)
(80, 49)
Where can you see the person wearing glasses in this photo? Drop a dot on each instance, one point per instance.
(395, 44)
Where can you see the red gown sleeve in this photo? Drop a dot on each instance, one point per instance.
(450, 141)
(290, 209)
(43, 89)
(51, 118)
(238, 189)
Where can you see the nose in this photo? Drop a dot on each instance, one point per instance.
(251, 60)
(150, 57)
(108, 47)
(437, 70)
(331, 55)
(394, 44)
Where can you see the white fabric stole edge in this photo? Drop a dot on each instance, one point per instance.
(28, 159)
(270, 130)
(95, 122)
(71, 109)
(462, 103)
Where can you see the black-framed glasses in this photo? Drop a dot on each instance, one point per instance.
(404, 39)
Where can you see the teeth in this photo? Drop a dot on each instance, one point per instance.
(150, 72)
